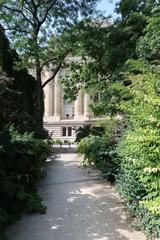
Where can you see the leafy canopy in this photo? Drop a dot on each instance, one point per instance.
(31, 24)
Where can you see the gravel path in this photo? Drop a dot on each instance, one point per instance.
(79, 207)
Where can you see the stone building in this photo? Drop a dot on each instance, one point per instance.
(62, 118)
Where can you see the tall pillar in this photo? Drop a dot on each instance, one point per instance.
(79, 105)
(58, 99)
(62, 74)
(48, 97)
(62, 104)
(87, 102)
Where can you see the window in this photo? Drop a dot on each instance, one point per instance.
(69, 132)
(66, 131)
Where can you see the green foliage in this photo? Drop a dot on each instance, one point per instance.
(139, 177)
(110, 101)
(99, 149)
(148, 46)
(102, 42)
(130, 85)
(128, 185)
(33, 28)
(36, 34)
(21, 166)
(58, 141)
(66, 142)
(152, 205)
(131, 88)
(128, 7)
(17, 90)
(87, 130)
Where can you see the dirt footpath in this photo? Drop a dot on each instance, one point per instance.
(79, 207)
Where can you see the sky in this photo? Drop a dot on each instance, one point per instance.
(108, 6)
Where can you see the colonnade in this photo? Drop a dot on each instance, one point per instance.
(54, 101)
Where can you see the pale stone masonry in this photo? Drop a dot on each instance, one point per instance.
(62, 118)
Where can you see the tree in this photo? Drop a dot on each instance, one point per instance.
(33, 26)
(127, 7)
(17, 90)
(110, 45)
(148, 46)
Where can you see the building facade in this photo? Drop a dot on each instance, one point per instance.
(62, 118)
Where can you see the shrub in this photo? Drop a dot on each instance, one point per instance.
(139, 178)
(66, 141)
(58, 141)
(137, 183)
(21, 167)
(99, 151)
(17, 90)
(86, 130)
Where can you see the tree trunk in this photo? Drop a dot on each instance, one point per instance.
(39, 93)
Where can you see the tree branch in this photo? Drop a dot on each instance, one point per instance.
(47, 11)
(34, 13)
(52, 59)
(16, 29)
(53, 76)
(17, 11)
(45, 63)
(39, 3)
(29, 8)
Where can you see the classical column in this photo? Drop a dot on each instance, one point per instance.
(62, 74)
(61, 103)
(48, 97)
(58, 99)
(87, 102)
(79, 105)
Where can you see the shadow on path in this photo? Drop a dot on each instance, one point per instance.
(78, 207)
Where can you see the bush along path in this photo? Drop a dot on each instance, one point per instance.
(79, 206)
(23, 148)
(21, 166)
(129, 157)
